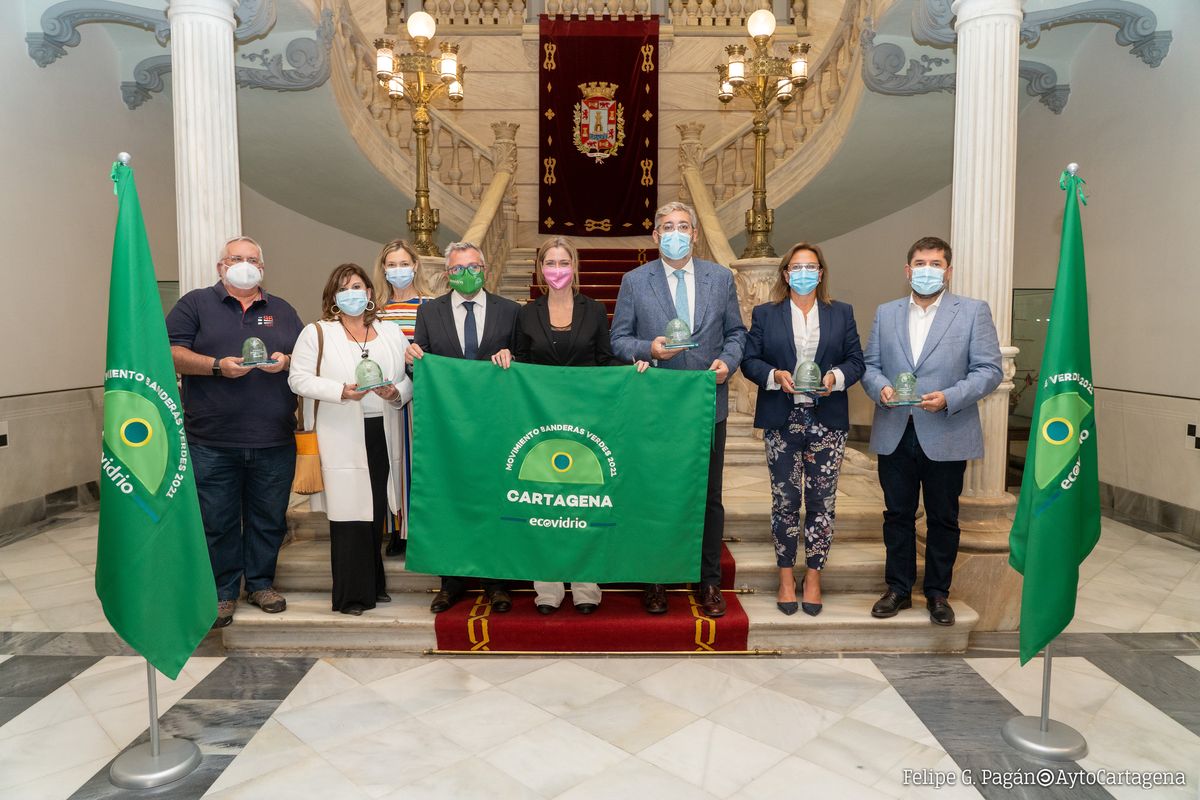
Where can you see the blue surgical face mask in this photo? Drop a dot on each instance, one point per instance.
(352, 302)
(803, 281)
(927, 280)
(400, 277)
(675, 245)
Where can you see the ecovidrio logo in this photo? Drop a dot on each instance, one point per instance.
(558, 477)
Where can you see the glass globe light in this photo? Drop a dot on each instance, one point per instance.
(761, 23)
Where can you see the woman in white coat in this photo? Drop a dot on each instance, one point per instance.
(358, 431)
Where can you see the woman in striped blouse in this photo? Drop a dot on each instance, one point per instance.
(396, 269)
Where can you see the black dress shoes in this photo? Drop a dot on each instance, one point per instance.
(500, 600)
(940, 612)
(443, 600)
(586, 608)
(383, 597)
(890, 604)
(712, 602)
(354, 610)
(654, 599)
(547, 610)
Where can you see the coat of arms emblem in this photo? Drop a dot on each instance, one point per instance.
(599, 121)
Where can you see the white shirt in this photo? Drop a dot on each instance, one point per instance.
(920, 320)
(460, 316)
(689, 280)
(806, 333)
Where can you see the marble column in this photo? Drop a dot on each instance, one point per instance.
(981, 232)
(208, 203)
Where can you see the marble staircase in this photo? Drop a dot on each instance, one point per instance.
(852, 580)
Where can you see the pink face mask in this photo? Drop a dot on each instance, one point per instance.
(558, 277)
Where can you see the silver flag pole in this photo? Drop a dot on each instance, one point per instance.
(158, 761)
(1041, 736)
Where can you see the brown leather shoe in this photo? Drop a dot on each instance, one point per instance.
(654, 599)
(500, 600)
(443, 600)
(712, 602)
(225, 609)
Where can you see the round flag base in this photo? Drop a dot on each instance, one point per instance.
(137, 768)
(1058, 742)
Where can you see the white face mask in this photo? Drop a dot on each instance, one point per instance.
(243, 275)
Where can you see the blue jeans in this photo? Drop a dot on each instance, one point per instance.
(243, 502)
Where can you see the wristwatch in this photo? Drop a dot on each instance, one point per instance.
(216, 367)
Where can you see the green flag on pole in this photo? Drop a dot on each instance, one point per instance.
(153, 575)
(559, 473)
(1058, 514)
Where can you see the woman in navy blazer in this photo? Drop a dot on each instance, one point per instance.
(805, 434)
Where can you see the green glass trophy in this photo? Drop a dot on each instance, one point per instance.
(254, 353)
(905, 387)
(807, 379)
(368, 375)
(679, 335)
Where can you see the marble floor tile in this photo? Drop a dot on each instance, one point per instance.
(428, 686)
(553, 757)
(57, 785)
(307, 777)
(561, 687)
(1194, 661)
(271, 748)
(481, 720)
(399, 755)
(27, 621)
(368, 670)
(775, 719)
(258, 678)
(73, 615)
(340, 718)
(59, 706)
(713, 757)
(754, 670)
(630, 718)
(35, 548)
(784, 779)
(634, 778)
(625, 670)
(693, 686)
(321, 681)
(496, 670)
(467, 779)
(41, 580)
(827, 685)
(56, 562)
(26, 757)
(62, 594)
(862, 752)
(1077, 691)
(888, 710)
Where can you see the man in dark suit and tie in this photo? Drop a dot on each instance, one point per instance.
(466, 322)
(703, 295)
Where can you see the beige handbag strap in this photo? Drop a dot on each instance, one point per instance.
(320, 358)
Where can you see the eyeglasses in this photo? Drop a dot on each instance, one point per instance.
(565, 263)
(682, 227)
(808, 267)
(475, 269)
(229, 261)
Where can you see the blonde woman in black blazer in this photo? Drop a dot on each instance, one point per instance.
(563, 328)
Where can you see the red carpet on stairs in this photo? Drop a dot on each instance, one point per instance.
(619, 625)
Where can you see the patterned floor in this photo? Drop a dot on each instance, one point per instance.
(1128, 677)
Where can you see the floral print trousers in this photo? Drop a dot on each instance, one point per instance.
(804, 460)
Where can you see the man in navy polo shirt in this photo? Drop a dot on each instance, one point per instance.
(239, 422)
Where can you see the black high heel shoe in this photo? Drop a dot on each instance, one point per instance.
(788, 608)
(812, 609)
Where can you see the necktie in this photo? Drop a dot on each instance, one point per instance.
(681, 298)
(470, 333)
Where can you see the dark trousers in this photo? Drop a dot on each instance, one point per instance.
(714, 511)
(243, 495)
(354, 546)
(903, 474)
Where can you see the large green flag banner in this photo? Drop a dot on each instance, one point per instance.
(153, 575)
(1058, 515)
(559, 473)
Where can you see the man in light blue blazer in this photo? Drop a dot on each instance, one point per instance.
(704, 296)
(949, 342)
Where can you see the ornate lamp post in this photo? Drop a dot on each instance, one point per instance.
(763, 77)
(417, 77)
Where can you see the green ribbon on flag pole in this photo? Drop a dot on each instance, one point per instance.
(545, 473)
(1058, 514)
(153, 574)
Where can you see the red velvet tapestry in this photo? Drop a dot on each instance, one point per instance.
(598, 141)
